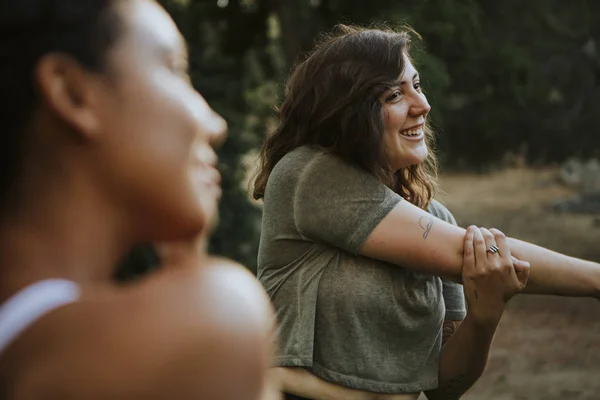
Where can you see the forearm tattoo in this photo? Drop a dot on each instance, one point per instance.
(426, 223)
(448, 330)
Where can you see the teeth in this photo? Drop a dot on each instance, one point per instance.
(414, 132)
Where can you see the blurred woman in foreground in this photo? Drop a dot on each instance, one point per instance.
(105, 144)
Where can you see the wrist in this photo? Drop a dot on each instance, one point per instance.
(485, 321)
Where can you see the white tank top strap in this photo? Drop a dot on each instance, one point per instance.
(30, 304)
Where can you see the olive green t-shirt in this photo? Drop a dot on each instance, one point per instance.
(349, 319)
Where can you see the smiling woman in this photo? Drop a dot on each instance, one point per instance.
(105, 144)
(362, 264)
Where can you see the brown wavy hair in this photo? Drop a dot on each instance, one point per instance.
(332, 100)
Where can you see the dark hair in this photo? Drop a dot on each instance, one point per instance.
(29, 29)
(332, 100)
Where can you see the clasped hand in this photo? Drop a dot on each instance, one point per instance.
(490, 278)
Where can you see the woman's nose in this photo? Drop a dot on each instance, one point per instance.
(420, 106)
(216, 130)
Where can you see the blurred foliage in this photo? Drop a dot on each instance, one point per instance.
(507, 79)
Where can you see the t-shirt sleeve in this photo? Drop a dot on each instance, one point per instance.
(453, 292)
(339, 203)
(454, 300)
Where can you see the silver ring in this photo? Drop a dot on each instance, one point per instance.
(493, 249)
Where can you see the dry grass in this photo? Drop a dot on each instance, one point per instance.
(546, 347)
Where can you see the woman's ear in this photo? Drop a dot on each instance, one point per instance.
(70, 92)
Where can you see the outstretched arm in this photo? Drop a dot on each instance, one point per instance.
(557, 274)
(356, 212)
(413, 238)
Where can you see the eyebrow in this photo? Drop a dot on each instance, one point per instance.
(400, 83)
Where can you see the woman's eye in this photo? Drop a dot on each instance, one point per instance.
(417, 86)
(394, 96)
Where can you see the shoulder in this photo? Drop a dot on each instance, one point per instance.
(311, 171)
(327, 172)
(186, 334)
(311, 160)
(327, 162)
(438, 210)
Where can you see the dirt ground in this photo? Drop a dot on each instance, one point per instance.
(546, 347)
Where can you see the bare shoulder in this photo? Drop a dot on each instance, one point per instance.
(202, 332)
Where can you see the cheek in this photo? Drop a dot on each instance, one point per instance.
(395, 116)
(390, 129)
(153, 111)
(171, 132)
(399, 121)
(152, 136)
(388, 120)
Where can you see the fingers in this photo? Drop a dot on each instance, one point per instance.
(521, 269)
(523, 273)
(489, 240)
(519, 264)
(501, 261)
(480, 246)
(501, 242)
(469, 252)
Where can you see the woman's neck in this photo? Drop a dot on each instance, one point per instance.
(62, 232)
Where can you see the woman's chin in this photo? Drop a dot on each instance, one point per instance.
(201, 221)
(419, 157)
(416, 156)
(209, 214)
